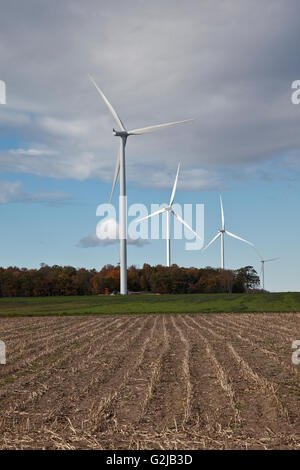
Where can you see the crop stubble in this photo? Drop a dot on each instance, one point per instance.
(149, 382)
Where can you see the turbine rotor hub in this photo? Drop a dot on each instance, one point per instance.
(120, 133)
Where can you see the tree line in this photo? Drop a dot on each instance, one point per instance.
(67, 280)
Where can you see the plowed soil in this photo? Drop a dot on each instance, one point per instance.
(221, 381)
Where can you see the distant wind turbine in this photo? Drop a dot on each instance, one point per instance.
(168, 210)
(221, 233)
(120, 168)
(263, 261)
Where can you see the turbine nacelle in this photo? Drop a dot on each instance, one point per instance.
(120, 133)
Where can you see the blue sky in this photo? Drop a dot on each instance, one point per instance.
(49, 232)
(57, 152)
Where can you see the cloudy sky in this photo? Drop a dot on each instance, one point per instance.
(229, 64)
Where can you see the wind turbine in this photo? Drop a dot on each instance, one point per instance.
(168, 210)
(221, 233)
(120, 168)
(263, 261)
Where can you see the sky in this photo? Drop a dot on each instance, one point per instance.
(229, 64)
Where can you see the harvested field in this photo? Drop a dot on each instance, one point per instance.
(188, 381)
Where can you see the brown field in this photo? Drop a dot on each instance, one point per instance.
(221, 381)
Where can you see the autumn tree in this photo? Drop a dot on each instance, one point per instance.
(245, 279)
(67, 280)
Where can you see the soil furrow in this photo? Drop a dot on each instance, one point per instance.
(192, 381)
(167, 408)
(56, 357)
(261, 418)
(278, 354)
(57, 399)
(28, 356)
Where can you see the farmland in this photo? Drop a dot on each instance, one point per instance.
(188, 381)
(143, 303)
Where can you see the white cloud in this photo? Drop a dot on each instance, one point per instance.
(33, 152)
(12, 191)
(65, 128)
(14, 118)
(190, 178)
(9, 191)
(91, 241)
(107, 233)
(230, 64)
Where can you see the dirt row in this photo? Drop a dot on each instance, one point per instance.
(150, 382)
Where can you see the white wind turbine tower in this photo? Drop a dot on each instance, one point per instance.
(221, 233)
(168, 210)
(263, 261)
(123, 133)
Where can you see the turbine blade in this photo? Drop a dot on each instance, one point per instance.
(116, 172)
(144, 130)
(222, 214)
(175, 185)
(212, 241)
(151, 215)
(110, 107)
(260, 256)
(238, 238)
(271, 259)
(186, 224)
